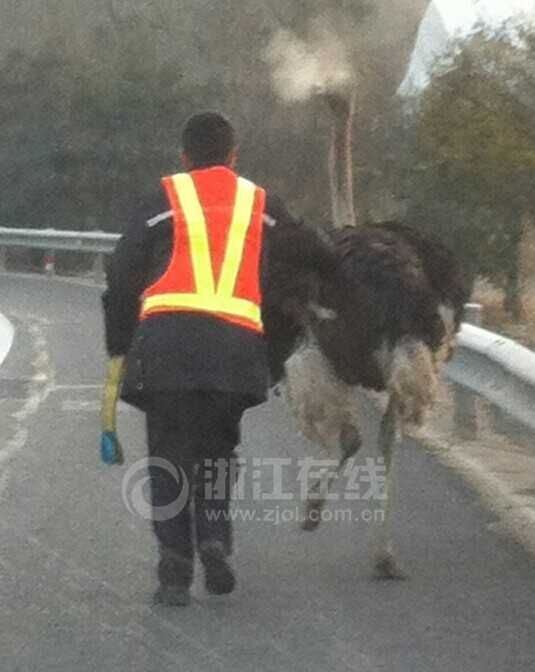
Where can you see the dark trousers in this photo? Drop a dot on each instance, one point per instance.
(191, 441)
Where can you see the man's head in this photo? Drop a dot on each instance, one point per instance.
(208, 139)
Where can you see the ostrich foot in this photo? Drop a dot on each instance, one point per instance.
(312, 516)
(386, 568)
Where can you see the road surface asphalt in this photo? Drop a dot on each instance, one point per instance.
(77, 568)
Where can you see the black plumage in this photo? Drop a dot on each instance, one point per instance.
(383, 282)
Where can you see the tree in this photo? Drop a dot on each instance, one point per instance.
(95, 98)
(475, 141)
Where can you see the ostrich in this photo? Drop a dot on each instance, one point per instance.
(386, 321)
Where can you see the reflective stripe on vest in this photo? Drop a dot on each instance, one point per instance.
(207, 297)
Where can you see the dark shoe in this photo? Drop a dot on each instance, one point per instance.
(172, 596)
(219, 577)
(174, 568)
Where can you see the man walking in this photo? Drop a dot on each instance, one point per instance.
(184, 305)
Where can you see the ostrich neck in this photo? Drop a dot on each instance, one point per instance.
(341, 169)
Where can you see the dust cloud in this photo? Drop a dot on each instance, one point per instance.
(301, 68)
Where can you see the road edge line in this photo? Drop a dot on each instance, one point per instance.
(515, 519)
(7, 335)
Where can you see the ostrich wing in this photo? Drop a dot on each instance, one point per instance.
(392, 283)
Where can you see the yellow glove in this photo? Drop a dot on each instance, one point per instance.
(110, 448)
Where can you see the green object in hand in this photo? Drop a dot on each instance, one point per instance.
(110, 448)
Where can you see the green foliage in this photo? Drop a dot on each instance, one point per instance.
(88, 132)
(472, 149)
(95, 97)
(475, 122)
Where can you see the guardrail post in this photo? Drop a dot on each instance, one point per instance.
(466, 406)
(3, 259)
(99, 273)
(50, 262)
(473, 313)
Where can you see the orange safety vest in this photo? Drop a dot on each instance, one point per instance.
(217, 243)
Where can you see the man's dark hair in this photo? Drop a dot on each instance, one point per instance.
(207, 139)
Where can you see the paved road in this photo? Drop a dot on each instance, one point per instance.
(76, 568)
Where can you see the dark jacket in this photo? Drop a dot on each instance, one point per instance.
(188, 351)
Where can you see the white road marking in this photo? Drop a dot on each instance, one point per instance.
(7, 332)
(515, 516)
(89, 406)
(41, 384)
(76, 405)
(59, 388)
(515, 513)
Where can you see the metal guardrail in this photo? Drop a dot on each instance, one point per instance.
(495, 368)
(485, 364)
(52, 240)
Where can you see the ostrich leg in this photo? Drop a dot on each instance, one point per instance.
(349, 442)
(384, 562)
